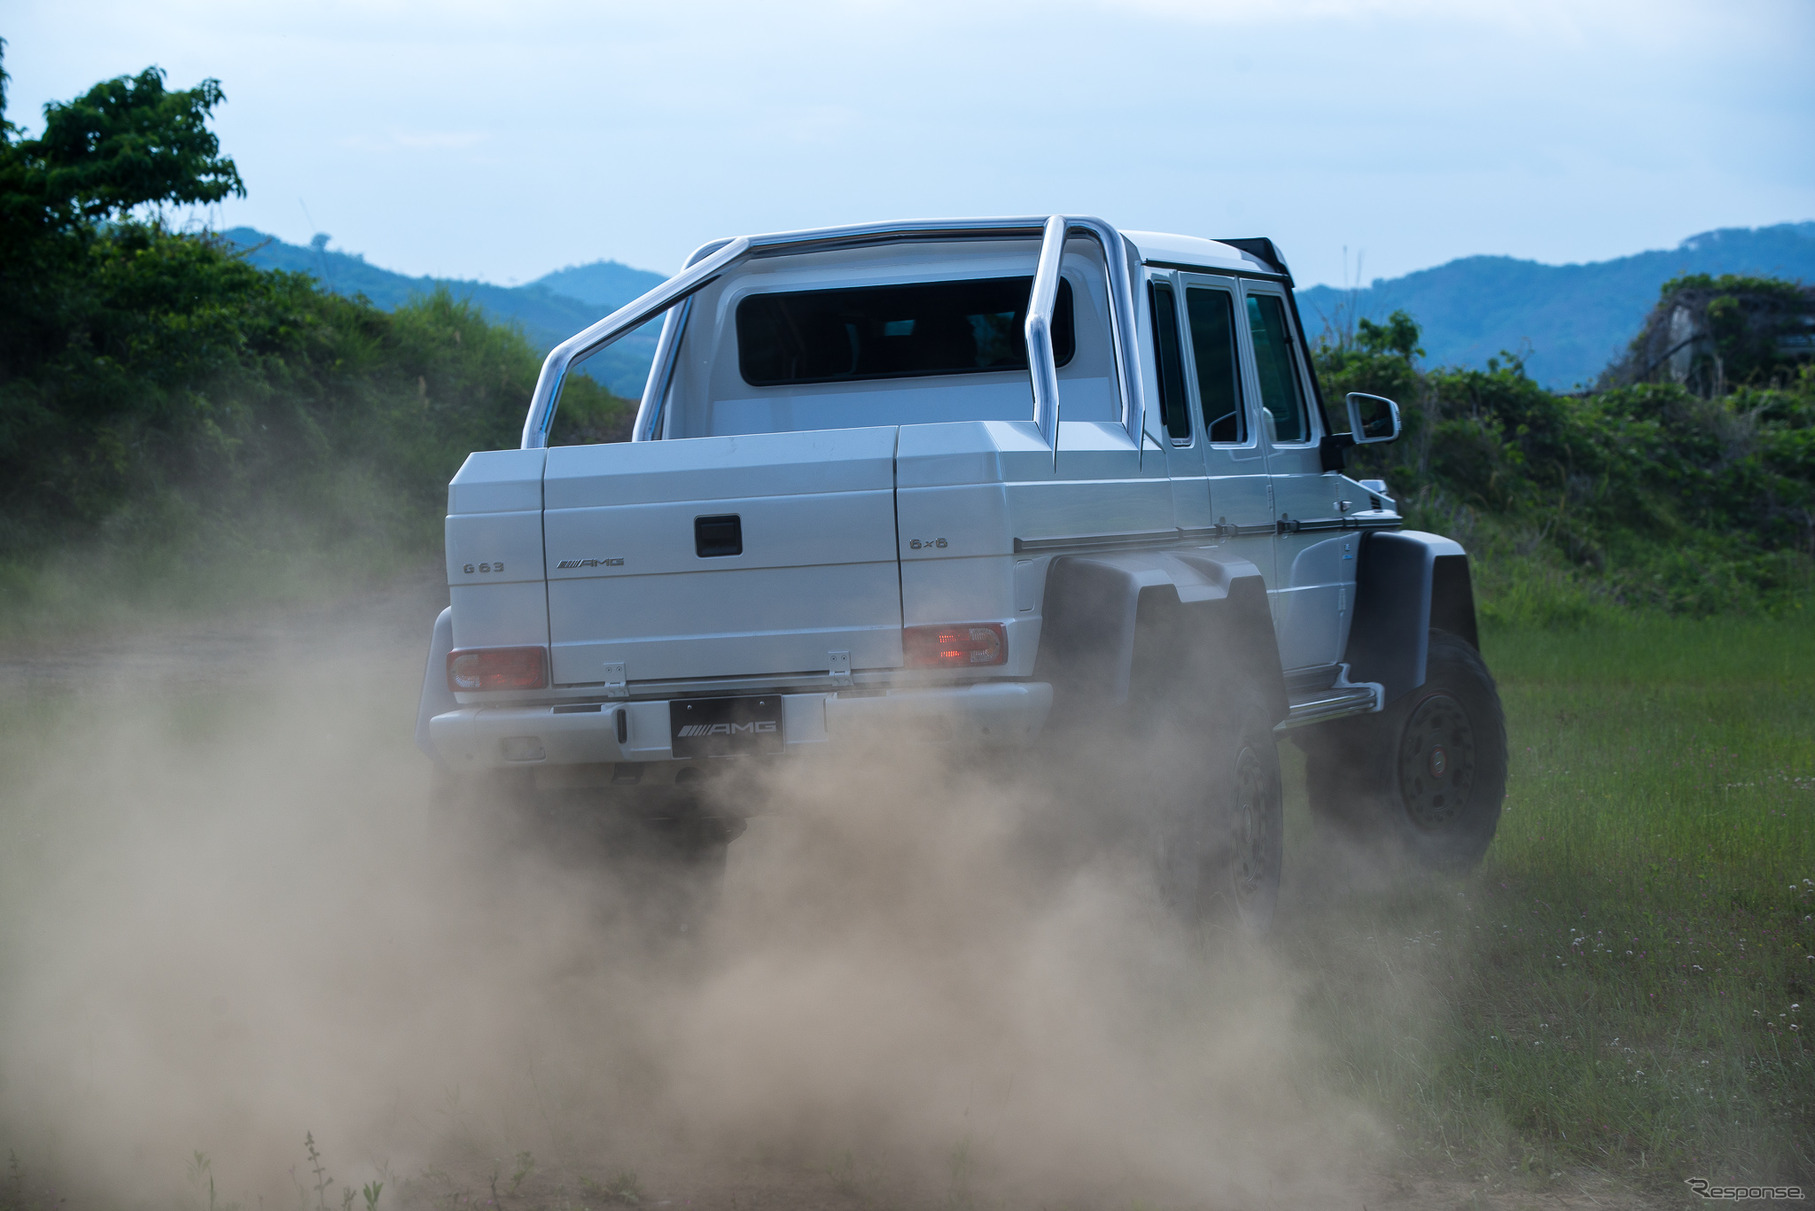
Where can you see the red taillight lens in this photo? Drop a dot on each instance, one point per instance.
(497, 669)
(963, 646)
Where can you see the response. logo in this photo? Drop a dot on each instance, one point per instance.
(1743, 1194)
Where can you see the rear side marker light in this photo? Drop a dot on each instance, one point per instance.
(497, 669)
(960, 646)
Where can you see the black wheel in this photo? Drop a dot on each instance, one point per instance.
(1219, 857)
(663, 849)
(670, 863)
(1428, 774)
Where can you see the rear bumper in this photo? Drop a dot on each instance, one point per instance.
(476, 738)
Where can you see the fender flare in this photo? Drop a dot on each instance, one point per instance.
(1406, 583)
(436, 698)
(1106, 616)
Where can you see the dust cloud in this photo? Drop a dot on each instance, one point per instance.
(230, 915)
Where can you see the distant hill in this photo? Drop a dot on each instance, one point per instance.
(1570, 320)
(608, 284)
(547, 313)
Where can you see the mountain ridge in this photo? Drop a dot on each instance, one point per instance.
(1568, 322)
(546, 314)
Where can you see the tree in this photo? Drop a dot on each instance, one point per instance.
(1398, 337)
(125, 143)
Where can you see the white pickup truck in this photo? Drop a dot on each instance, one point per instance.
(986, 480)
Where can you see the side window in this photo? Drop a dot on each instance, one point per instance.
(1280, 393)
(1175, 413)
(1212, 314)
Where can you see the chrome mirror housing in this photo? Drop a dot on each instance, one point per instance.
(1372, 418)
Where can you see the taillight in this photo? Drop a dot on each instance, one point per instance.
(497, 669)
(963, 646)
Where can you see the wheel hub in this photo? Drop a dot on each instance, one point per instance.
(1436, 762)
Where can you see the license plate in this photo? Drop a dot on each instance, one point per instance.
(724, 727)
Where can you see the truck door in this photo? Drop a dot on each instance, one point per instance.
(1314, 555)
(1172, 427)
(1234, 460)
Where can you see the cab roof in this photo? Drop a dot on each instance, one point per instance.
(1244, 256)
(1251, 255)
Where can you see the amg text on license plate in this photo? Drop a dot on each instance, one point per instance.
(721, 727)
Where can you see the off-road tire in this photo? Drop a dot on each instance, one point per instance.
(1427, 776)
(666, 849)
(1218, 857)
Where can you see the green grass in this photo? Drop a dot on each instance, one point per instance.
(1612, 991)
(1625, 985)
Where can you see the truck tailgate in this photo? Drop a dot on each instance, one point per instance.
(716, 557)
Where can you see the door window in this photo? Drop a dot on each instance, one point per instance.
(1174, 413)
(1212, 314)
(1280, 392)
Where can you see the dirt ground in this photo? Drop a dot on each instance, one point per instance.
(227, 926)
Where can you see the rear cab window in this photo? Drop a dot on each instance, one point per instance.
(899, 331)
(917, 333)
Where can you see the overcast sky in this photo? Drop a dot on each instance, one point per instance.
(506, 139)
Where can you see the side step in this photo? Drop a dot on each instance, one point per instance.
(1334, 702)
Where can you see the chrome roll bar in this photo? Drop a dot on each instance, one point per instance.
(667, 348)
(631, 315)
(1042, 363)
(661, 367)
(712, 260)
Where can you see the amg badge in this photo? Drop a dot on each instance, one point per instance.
(590, 563)
(724, 727)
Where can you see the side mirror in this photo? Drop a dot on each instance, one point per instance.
(1372, 418)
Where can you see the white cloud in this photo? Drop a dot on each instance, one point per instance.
(490, 140)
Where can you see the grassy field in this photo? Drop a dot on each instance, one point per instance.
(1625, 985)
(1620, 995)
